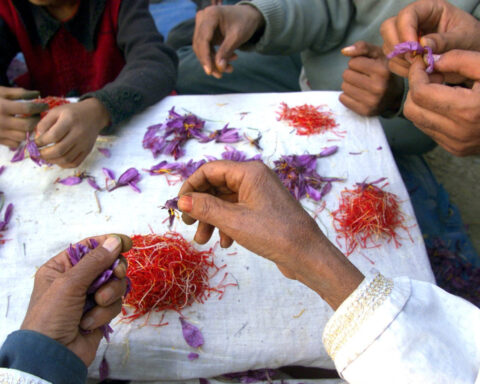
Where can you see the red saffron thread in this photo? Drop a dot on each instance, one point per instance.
(366, 215)
(167, 272)
(307, 119)
(52, 101)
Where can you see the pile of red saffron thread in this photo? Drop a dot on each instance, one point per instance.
(367, 214)
(52, 101)
(167, 272)
(307, 119)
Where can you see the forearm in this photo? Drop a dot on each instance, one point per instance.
(292, 26)
(324, 269)
(38, 355)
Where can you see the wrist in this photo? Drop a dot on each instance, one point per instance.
(98, 113)
(256, 20)
(324, 269)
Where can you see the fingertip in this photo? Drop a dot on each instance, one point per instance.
(188, 219)
(427, 42)
(112, 243)
(207, 69)
(185, 203)
(126, 241)
(348, 51)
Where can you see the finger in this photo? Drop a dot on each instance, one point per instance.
(120, 270)
(359, 94)
(354, 105)
(226, 51)
(109, 293)
(399, 66)
(93, 341)
(94, 263)
(10, 143)
(225, 241)
(464, 63)
(13, 135)
(205, 26)
(443, 42)
(412, 18)
(204, 233)
(55, 133)
(368, 66)
(389, 33)
(362, 48)
(99, 316)
(438, 97)
(357, 79)
(20, 124)
(9, 107)
(15, 93)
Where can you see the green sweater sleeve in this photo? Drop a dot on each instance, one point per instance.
(296, 25)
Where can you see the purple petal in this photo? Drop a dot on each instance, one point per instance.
(2, 168)
(191, 334)
(134, 187)
(130, 175)
(313, 193)
(108, 173)
(107, 330)
(101, 280)
(91, 181)
(105, 152)
(430, 60)
(407, 46)
(104, 369)
(19, 155)
(328, 151)
(8, 214)
(203, 381)
(193, 356)
(72, 180)
(379, 148)
(327, 188)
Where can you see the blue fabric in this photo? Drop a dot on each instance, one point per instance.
(168, 13)
(437, 217)
(39, 355)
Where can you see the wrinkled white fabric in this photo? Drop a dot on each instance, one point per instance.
(411, 332)
(12, 376)
(268, 320)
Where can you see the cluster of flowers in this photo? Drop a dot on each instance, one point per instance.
(170, 137)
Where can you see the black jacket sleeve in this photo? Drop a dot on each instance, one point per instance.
(39, 355)
(9, 48)
(150, 71)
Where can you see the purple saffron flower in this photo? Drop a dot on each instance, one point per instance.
(191, 334)
(172, 206)
(130, 177)
(72, 180)
(416, 48)
(108, 173)
(255, 142)
(105, 152)
(19, 154)
(298, 174)
(184, 170)
(193, 356)
(224, 135)
(236, 155)
(33, 151)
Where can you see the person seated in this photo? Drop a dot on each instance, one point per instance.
(108, 53)
(383, 330)
(317, 29)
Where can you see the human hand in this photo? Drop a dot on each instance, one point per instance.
(249, 204)
(441, 25)
(229, 26)
(369, 88)
(216, 2)
(17, 118)
(450, 115)
(72, 129)
(59, 294)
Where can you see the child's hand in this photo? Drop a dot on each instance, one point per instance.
(72, 129)
(17, 118)
(369, 88)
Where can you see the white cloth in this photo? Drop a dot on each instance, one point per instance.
(12, 376)
(267, 321)
(404, 331)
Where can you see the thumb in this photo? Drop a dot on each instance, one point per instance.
(207, 209)
(94, 263)
(226, 52)
(464, 63)
(19, 93)
(362, 48)
(443, 42)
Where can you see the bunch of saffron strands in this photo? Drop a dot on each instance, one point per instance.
(307, 119)
(166, 272)
(367, 214)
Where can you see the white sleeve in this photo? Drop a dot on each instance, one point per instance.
(12, 376)
(404, 331)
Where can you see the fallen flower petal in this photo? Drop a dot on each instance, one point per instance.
(193, 356)
(191, 334)
(7, 217)
(104, 369)
(108, 173)
(91, 181)
(2, 168)
(328, 151)
(72, 180)
(105, 152)
(19, 154)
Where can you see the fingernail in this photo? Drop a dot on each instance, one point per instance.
(111, 243)
(349, 49)
(107, 295)
(436, 57)
(207, 70)
(185, 203)
(222, 64)
(86, 323)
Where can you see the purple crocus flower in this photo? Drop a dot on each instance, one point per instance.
(184, 170)
(191, 334)
(416, 48)
(298, 174)
(172, 206)
(224, 135)
(236, 155)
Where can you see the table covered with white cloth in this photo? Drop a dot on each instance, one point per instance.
(265, 321)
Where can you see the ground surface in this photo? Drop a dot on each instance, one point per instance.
(461, 178)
